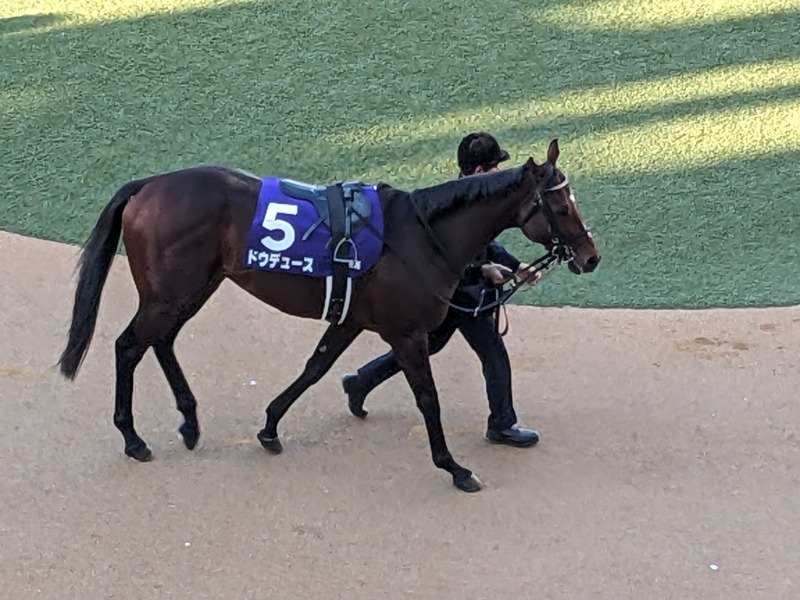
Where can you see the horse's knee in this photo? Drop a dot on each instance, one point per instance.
(315, 367)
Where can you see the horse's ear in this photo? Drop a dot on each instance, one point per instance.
(552, 152)
(530, 165)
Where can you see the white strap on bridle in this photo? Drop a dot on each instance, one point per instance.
(561, 185)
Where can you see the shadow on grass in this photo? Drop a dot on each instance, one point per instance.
(9, 25)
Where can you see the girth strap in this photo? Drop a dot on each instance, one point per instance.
(338, 226)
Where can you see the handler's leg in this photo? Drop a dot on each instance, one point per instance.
(502, 428)
(358, 385)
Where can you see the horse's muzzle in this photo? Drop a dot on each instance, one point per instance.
(591, 265)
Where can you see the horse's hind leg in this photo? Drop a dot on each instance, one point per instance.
(412, 354)
(330, 347)
(165, 353)
(184, 398)
(156, 324)
(129, 352)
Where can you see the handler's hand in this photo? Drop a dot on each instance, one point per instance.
(495, 273)
(528, 277)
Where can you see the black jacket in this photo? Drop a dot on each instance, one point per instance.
(468, 292)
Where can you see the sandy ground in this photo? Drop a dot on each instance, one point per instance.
(668, 466)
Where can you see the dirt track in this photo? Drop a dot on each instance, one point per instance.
(670, 443)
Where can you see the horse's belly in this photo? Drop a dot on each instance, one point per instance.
(294, 295)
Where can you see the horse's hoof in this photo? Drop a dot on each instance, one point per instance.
(189, 435)
(272, 445)
(469, 484)
(140, 452)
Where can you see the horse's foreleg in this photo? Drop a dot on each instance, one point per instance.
(330, 347)
(412, 354)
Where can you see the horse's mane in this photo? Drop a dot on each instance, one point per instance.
(443, 198)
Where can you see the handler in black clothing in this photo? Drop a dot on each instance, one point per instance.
(477, 153)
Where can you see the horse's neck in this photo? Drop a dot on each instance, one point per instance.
(467, 232)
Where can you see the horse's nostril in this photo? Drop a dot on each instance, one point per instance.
(592, 262)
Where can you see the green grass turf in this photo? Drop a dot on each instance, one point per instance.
(679, 121)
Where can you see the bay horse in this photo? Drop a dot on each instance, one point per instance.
(186, 231)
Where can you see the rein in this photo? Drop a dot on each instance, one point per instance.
(541, 265)
(434, 238)
(399, 255)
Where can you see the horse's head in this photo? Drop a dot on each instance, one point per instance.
(551, 216)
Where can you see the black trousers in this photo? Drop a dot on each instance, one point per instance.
(481, 334)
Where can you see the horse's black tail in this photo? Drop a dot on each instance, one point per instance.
(94, 265)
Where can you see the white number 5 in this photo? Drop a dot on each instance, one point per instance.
(273, 223)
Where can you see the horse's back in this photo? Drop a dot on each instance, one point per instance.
(191, 196)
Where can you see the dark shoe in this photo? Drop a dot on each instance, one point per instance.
(355, 398)
(513, 436)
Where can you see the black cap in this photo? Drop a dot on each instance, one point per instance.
(479, 150)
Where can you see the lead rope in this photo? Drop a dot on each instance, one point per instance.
(547, 261)
(497, 320)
